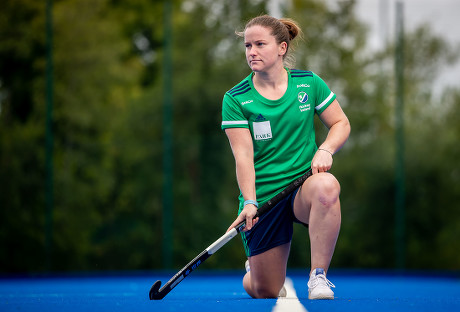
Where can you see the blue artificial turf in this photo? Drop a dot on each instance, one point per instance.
(217, 291)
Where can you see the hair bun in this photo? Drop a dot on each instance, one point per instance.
(291, 26)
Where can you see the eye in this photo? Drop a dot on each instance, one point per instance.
(247, 45)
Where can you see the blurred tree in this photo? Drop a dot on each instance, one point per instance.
(95, 77)
(432, 189)
(21, 132)
(93, 80)
(107, 123)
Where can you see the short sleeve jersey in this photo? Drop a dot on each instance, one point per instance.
(282, 130)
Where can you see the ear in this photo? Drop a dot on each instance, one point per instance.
(282, 48)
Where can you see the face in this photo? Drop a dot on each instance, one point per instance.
(262, 51)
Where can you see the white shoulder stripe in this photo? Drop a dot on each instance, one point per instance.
(325, 101)
(236, 122)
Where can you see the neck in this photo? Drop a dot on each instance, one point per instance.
(272, 85)
(270, 79)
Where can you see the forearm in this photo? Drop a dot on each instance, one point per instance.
(246, 177)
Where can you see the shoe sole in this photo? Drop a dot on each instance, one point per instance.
(323, 297)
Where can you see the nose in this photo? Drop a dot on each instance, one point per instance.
(251, 51)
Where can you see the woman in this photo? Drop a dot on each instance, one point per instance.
(268, 119)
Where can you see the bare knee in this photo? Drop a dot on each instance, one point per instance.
(326, 190)
(262, 291)
(320, 194)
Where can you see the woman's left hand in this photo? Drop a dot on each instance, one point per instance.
(322, 161)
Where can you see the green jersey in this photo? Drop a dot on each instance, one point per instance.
(282, 131)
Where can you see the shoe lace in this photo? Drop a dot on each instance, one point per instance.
(320, 279)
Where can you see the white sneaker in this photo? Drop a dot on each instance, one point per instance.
(319, 287)
(282, 293)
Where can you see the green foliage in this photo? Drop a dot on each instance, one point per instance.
(108, 139)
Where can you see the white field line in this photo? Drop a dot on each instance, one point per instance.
(290, 303)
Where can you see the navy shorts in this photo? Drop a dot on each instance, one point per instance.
(274, 228)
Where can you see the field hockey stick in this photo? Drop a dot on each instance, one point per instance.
(156, 293)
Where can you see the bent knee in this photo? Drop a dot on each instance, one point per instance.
(262, 291)
(327, 190)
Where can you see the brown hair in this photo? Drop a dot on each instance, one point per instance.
(283, 29)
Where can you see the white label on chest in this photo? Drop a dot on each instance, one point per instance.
(262, 130)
